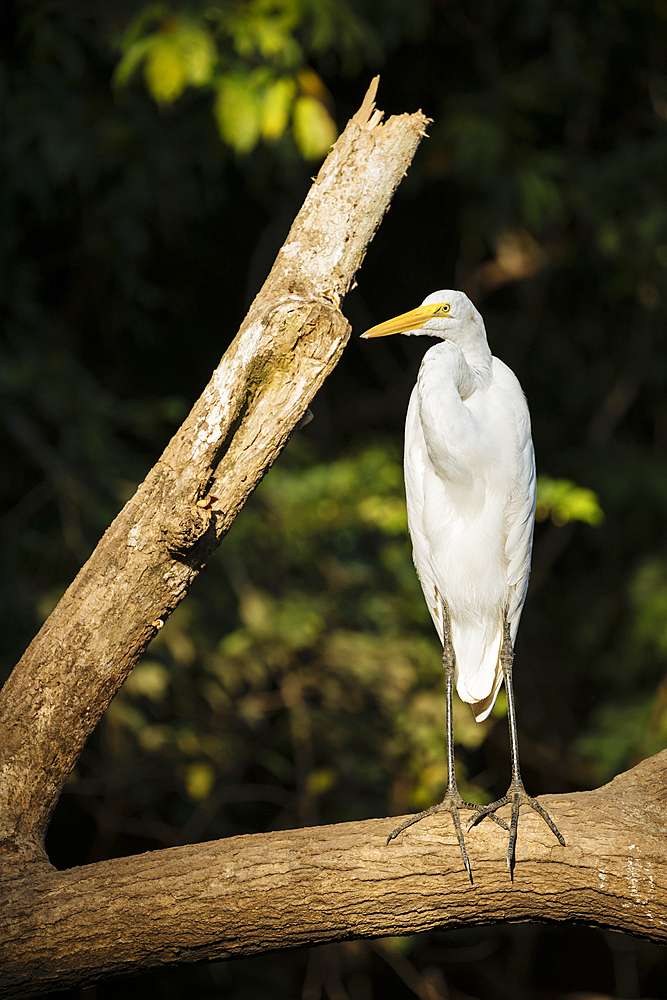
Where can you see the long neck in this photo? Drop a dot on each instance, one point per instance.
(444, 382)
(472, 341)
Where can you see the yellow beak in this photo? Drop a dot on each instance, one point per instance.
(413, 320)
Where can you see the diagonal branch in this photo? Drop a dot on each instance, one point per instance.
(250, 894)
(288, 343)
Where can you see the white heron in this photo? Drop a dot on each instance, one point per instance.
(470, 487)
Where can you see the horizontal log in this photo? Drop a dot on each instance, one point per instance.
(286, 889)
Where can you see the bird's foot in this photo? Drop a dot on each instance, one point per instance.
(517, 796)
(451, 803)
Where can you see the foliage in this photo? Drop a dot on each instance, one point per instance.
(253, 57)
(563, 501)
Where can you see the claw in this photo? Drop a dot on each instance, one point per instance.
(517, 796)
(451, 804)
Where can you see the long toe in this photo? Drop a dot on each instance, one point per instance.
(517, 797)
(481, 812)
(451, 804)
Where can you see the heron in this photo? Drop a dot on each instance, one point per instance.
(470, 488)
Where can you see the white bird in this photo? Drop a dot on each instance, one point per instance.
(470, 488)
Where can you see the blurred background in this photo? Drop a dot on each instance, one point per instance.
(153, 159)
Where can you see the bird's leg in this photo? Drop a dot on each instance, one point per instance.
(516, 793)
(452, 801)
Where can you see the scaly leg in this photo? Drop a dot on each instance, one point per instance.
(516, 793)
(452, 801)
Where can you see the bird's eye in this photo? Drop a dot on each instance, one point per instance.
(443, 309)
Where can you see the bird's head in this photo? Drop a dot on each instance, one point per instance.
(447, 314)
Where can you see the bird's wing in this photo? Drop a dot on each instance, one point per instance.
(520, 510)
(414, 467)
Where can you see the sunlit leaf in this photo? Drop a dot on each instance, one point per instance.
(432, 781)
(321, 780)
(276, 42)
(387, 513)
(314, 128)
(564, 501)
(238, 112)
(165, 70)
(155, 738)
(180, 53)
(256, 610)
(312, 85)
(260, 29)
(199, 780)
(276, 106)
(198, 53)
(131, 59)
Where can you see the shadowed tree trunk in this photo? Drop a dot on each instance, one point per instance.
(256, 893)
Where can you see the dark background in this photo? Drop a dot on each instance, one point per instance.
(300, 682)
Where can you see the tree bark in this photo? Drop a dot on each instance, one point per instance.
(288, 343)
(292, 888)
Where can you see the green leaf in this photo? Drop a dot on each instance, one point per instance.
(181, 53)
(258, 30)
(199, 780)
(276, 106)
(616, 733)
(164, 71)
(134, 55)
(150, 679)
(313, 127)
(238, 112)
(564, 501)
(198, 53)
(479, 144)
(387, 513)
(540, 197)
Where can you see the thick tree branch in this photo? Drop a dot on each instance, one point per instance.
(286, 889)
(290, 340)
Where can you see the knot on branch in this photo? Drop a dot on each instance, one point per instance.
(184, 526)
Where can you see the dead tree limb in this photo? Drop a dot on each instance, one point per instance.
(288, 343)
(251, 894)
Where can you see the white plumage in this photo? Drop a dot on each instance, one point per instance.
(470, 488)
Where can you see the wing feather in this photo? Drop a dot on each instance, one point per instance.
(520, 510)
(414, 468)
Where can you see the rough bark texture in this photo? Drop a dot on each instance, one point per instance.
(290, 340)
(250, 894)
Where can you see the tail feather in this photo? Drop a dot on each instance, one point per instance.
(478, 671)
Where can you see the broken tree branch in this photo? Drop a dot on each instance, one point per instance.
(288, 343)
